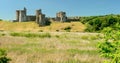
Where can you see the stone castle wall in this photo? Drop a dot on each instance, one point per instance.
(21, 16)
(61, 16)
(31, 18)
(39, 17)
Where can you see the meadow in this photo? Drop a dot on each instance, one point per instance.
(33, 27)
(51, 47)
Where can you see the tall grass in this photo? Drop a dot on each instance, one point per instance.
(59, 48)
(28, 35)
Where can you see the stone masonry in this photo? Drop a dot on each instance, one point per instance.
(21, 16)
(61, 16)
(39, 17)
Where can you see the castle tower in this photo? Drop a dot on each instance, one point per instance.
(42, 20)
(61, 16)
(17, 15)
(25, 11)
(38, 12)
(21, 15)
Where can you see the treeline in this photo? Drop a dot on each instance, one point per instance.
(109, 25)
(98, 23)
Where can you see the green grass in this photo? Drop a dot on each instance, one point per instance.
(61, 47)
(30, 35)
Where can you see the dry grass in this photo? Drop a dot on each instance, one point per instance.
(75, 26)
(18, 26)
(33, 27)
(59, 48)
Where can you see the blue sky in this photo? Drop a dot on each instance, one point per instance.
(50, 7)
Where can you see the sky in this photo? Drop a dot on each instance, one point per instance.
(51, 7)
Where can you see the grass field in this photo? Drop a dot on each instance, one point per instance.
(26, 42)
(59, 47)
(32, 26)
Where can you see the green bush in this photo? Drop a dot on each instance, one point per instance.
(110, 47)
(3, 58)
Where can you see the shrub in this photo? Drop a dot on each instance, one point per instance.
(57, 30)
(3, 58)
(2, 34)
(67, 28)
(40, 31)
(110, 47)
(48, 22)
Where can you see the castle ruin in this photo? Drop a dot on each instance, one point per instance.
(39, 17)
(61, 16)
(21, 16)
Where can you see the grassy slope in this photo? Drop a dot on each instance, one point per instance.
(32, 26)
(59, 48)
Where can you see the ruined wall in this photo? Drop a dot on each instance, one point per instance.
(61, 16)
(39, 17)
(21, 15)
(76, 18)
(38, 12)
(31, 18)
(17, 15)
(42, 19)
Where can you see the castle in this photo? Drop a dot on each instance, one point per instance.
(61, 16)
(39, 17)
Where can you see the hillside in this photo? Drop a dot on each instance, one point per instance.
(52, 47)
(99, 23)
(33, 27)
